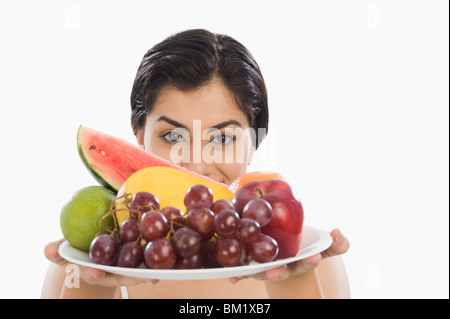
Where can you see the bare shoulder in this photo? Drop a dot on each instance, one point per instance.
(333, 278)
(53, 282)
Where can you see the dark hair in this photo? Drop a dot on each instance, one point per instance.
(191, 59)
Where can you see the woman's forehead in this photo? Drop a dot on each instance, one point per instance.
(211, 104)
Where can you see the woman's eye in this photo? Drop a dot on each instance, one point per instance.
(223, 139)
(173, 137)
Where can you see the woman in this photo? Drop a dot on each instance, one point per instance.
(197, 79)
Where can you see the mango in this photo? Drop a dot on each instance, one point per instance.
(168, 184)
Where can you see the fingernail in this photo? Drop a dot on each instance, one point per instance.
(338, 237)
(272, 275)
(276, 274)
(97, 274)
(314, 259)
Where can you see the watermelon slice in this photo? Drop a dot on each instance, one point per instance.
(112, 160)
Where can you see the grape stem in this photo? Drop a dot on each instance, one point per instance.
(171, 231)
(114, 232)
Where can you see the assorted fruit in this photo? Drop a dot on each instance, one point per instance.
(209, 234)
(111, 160)
(169, 185)
(154, 214)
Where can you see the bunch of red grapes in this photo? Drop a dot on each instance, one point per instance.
(211, 234)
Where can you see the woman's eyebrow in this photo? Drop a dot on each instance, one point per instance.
(214, 127)
(224, 124)
(170, 121)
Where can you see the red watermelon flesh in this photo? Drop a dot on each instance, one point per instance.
(112, 160)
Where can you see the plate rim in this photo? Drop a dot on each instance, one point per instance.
(202, 273)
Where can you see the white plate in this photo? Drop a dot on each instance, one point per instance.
(313, 242)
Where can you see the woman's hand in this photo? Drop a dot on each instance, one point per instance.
(339, 246)
(93, 276)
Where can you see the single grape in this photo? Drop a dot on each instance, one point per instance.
(220, 205)
(226, 222)
(160, 254)
(198, 196)
(174, 216)
(264, 249)
(209, 255)
(131, 255)
(129, 230)
(259, 210)
(207, 236)
(248, 230)
(153, 225)
(144, 202)
(229, 252)
(201, 219)
(245, 258)
(104, 250)
(243, 196)
(193, 262)
(187, 242)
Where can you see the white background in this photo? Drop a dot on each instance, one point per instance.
(359, 114)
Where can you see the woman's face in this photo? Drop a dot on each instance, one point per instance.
(203, 131)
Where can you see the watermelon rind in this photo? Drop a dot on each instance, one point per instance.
(94, 173)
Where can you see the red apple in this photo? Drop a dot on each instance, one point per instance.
(287, 213)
